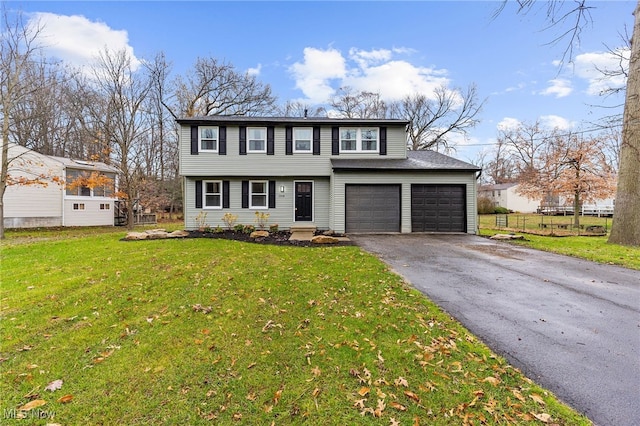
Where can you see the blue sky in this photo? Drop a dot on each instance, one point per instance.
(306, 50)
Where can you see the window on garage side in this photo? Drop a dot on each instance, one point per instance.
(212, 194)
(258, 194)
(359, 140)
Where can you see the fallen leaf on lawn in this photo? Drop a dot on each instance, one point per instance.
(54, 386)
(543, 417)
(359, 404)
(277, 396)
(537, 398)
(412, 395)
(316, 371)
(237, 416)
(393, 422)
(32, 366)
(363, 391)
(251, 396)
(401, 381)
(65, 399)
(316, 392)
(492, 380)
(253, 364)
(518, 395)
(398, 406)
(33, 404)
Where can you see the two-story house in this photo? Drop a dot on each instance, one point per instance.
(345, 175)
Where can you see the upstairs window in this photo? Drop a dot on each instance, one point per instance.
(208, 139)
(258, 194)
(257, 139)
(359, 140)
(212, 194)
(302, 138)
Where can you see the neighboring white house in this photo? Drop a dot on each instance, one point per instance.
(50, 202)
(506, 195)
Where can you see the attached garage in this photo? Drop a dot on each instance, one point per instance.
(372, 208)
(438, 208)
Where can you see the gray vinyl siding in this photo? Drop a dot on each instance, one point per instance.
(405, 179)
(279, 164)
(282, 214)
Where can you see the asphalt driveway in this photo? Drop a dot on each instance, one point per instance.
(573, 326)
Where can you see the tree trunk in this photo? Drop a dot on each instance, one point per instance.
(576, 210)
(626, 217)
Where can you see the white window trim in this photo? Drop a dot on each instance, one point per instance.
(266, 195)
(259, 151)
(303, 151)
(200, 149)
(204, 195)
(359, 141)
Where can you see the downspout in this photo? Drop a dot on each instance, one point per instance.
(476, 192)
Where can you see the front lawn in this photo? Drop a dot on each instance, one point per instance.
(204, 331)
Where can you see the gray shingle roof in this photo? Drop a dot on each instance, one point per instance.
(416, 160)
(238, 119)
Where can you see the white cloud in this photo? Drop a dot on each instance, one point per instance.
(377, 70)
(255, 71)
(313, 76)
(556, 122)
(78, 41)
(559, 87)
(589, 66)
(508, 123)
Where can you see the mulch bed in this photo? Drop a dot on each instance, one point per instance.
(280, 238)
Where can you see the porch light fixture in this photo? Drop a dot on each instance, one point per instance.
(281, 188)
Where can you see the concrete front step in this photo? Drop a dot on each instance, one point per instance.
(302, 232)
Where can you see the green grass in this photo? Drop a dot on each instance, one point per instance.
(592, 248)
(202, 331)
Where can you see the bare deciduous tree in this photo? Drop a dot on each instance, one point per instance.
(434, 119)
(352, 104)
(216, 88)
(125, 123)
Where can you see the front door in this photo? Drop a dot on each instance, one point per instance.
(304, 201)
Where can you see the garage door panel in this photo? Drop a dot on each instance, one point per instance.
(438, 208)
(372, 208)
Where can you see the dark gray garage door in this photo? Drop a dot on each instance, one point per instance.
(372, 208)
(438, 208)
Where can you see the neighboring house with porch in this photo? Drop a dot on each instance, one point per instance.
(507, 195)
(345, 175)
(47, 200)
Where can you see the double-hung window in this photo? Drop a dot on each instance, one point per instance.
(302, 138)
(258, 194)
(208, 139)
(257, 139)
(212, 194)
(359, 140)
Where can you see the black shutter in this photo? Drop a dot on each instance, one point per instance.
(222, 142)
(288, 140)
(225, 194)
(383, 141)
(272, 194)
(243, 140)
(270, 141)
(335, 141)
(194, 140)
(245, 194)
(198, 194)
(316, 140)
